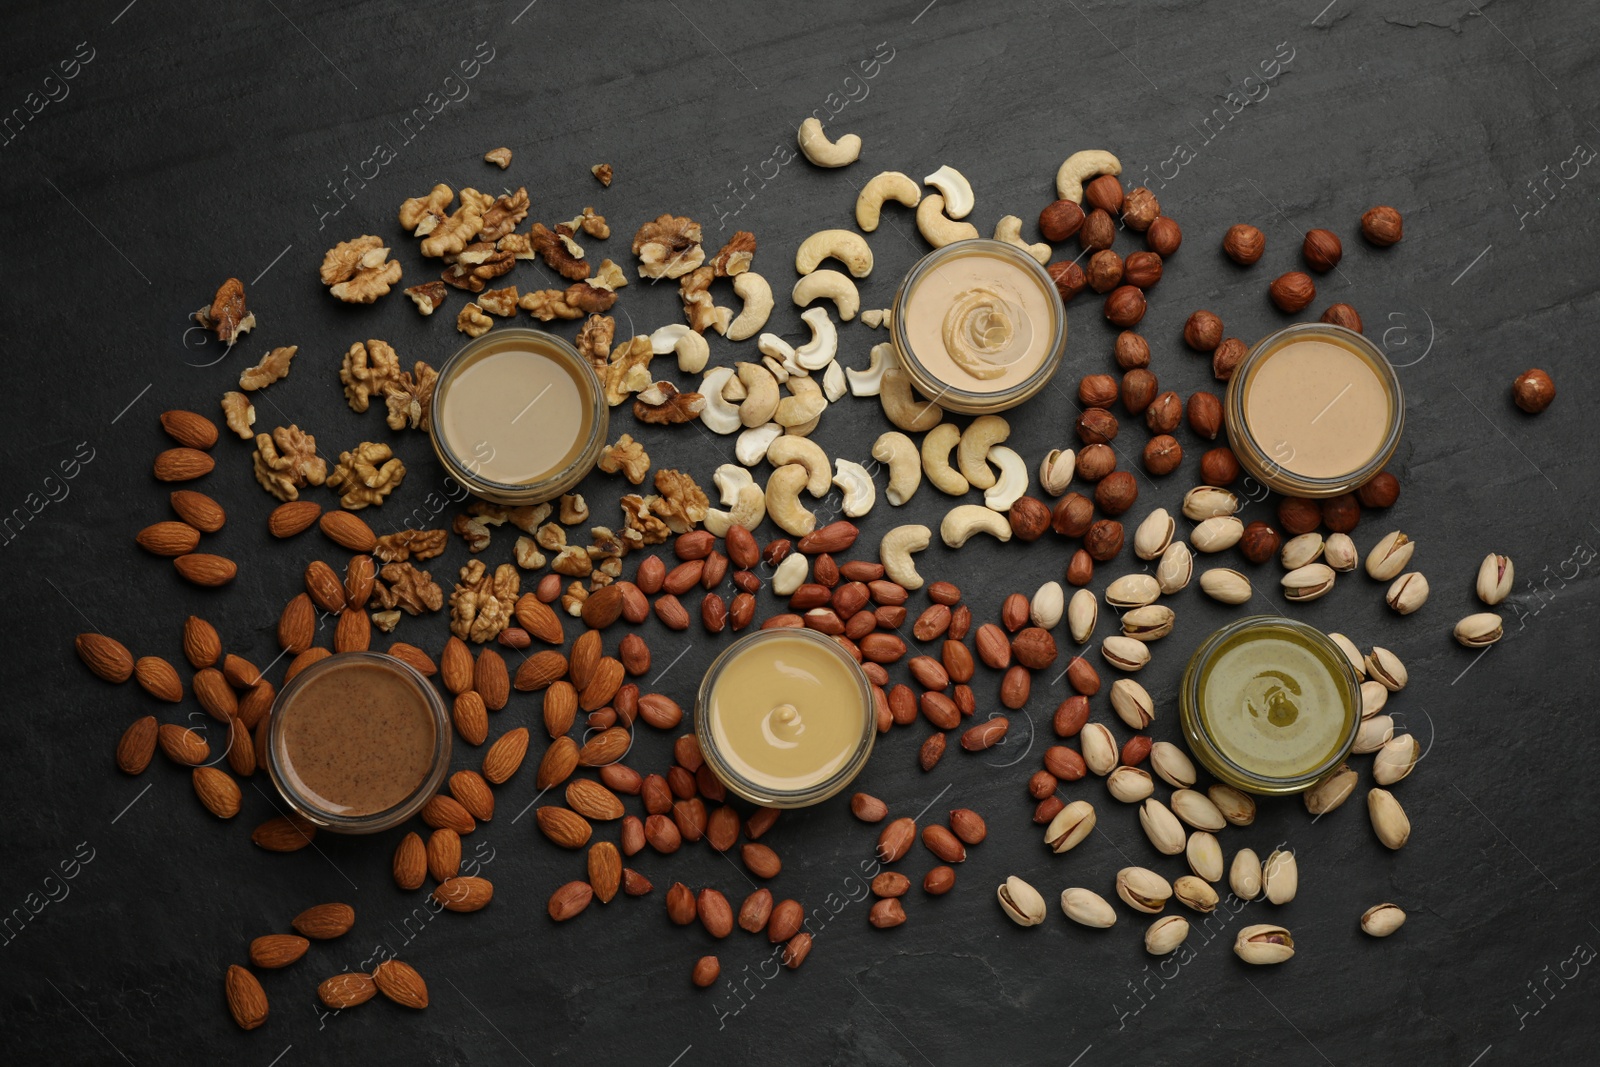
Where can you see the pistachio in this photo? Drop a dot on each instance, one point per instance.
(1124, 653)
(1207, 502)
(1263, 943)
(1143, 889)
(1407, 593)
(1130, 784)
(1098, 748)
(1056, 469)
(1390, 556)
(1351, 653)
(1332, 791)
(1396, 759)
(1244, 875)
(1047, 605)
(1172, 764)
(1373, 735)
(1227, 586)
(1175, 569)
(1280, 876)
(1310, 582)
(1153, 535)
(1217, 534)
(1166, 934)
(1149, 623)
(1238, 807)
(1082, 613)
(1298, 551)
(1195, 893)
(1196, 809)
(1021, 902)
(1204, 853)
(1495, 576)
(1385, 668)
(1088, 908)
(1389, 820)
(1373, 698)
(1480, 630)
(1339, 552)
(1132, 703)
(1132, 591)
(1162, 827)
(1381, 920)
(1071, 825)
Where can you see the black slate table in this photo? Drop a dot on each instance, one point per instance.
(152, 150)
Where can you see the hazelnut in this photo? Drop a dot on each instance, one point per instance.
(1138, 389)
(1029, 518)
(1293, 291)
(1104, 540)
(1297, 515)
(1164, 413)
(1069, 279)
(1218, 467)
(1139, 209)
(1097, 232)
(1105, 193)
(1227, 357)
(1260, 542)
(1342, 315)
(1125, 306)
(1381, 492)
(1163, 237)
(1060, 220)
(1132, 350)
(1161, 455)
(1095, 462)
(1341, 513)
(1105, 271)
(1097, 390)
(1533, 390)
(1072, 515)
(1080, 570)
(1321, 249)
(1205, 414)
(1142, 269)
(1382, 226)
(1097, 425)
(1116, 492)
(1243, 244)
(1203, 331)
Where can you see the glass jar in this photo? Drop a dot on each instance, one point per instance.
(1325, 426)
(518, 416)
(943, 283)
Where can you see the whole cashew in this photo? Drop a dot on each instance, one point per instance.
(1009, 230)
(808, 454)
(753, 289)
(894, 552)
(819, 351)
(937, 228)
(1011, 484)
(833, 383)
(718, 415)
(859, 492)
(693, 352)
(955, 189)
(847, 246)
(985, 432)
(1082, 165)
(761, 394)
(783, 500)
(806, 403)
(867, 382)
(936, 446)
(823, 152)
(751, 447)
(964, 520)
(749, 508)
(890, 185)
(730, 479)
(905, 468)
(832, 285)
(894, 392)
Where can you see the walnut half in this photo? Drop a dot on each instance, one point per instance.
(286, 461)
(366, 475)
(359, 271)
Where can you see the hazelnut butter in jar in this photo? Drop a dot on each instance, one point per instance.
(518, 416)
(358, 742)
(978, 326)
(785, 717)
(1314, 410)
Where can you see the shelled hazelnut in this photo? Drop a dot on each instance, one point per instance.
(1297, 515)
(1072, 515)
(1243, 244)
(1097, 232)
(1162, 455)
(1342, 315)
(1164, 413)
(1125, 305)
(1260, 542)
(1097, 425)
(1219, 467)
(1029, 517)
(1105, 271)
(1382, 226)
(1068, 277)
(1163, 237)
(1139, 388)
(1105, 193)
(1116, 492)
(1131, 350)
(1097, 390)
(1096, 461)
(1142, 269)
(1205, 415)
(1322, 250)
(1533, 390)
(1226, 358)
(1060, 220)
(1293, 291)
(1341, 513)
(1104, 540)
(1380, 492)
(1139, 209)
(1203, 331)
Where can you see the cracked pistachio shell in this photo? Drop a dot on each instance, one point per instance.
(1332, 791)
(1130, 784)
(1237, 806)
(1132, 703)
(1390, 556)
(1166, 934)
(1389, 820)
(1373, 698)
(1048, 605)
(1407, 593)
(1071, 825)
(1244, 874)
(1098, 748)
(1143, 889)
(1381, 920)
(1088, 908)
(1217, 534)
(1495, 578)
(1149, 623)
(1373, 735)
(1351, 653)
(1208, 502)
(1132, 591)
(1226, 586)
(1083, 611)
(1263, 944)
(1172, 764)
(1196, 809)
(1021, 902)
(1154, 534)
(1396, 759)
(1204, 853)
(1298, 551)
(1056, 470)
(1310, 582)
(1195, 893)
(1124, 653)
(1385, 668)
(1175, 569)
(1280, 876)
(1480, 630)
(1339, 552)
(1162, 827)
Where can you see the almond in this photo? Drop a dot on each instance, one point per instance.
(474, 794)
(323, 922)
(286, 833)
(198, 510)
(201, 644)
(442, 812)
(302, 661)
(241, 749)
(247, 1001)
(593, 800)
(271, 951)
(559, 761)
(605, 870)
(464, 893)
(346, 990)
(217, 791)
(761, 860)
(324, 586)
(182, 465)
(539, 670)
(353, 631)
(348, 530)
(401, 983)
(414, 657)
(293, 517)
(894, 841)
(607, 746)
(603, 683)
(211, 689)
(603, 607)
(240, 672)
(586, 653)
(569, 901)
(410, 861)
(539, 619)
(505, 755)
(107, 657)
(716, 914)
(182, 745)
(563, 826)
(560, 708)
(297, 625)
(189, 428)
(491, 680)
(456, 667)
(834, 537)
(158, 678)
(137, 746)
(205, 569)
(660, 711)
(360, 577)
(444, 854)
(168, 538)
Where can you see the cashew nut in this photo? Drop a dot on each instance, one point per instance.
(859, 492)
(666, 339)
(802, 429)
(719, 416)
(964, 520)
(905, 468)
(936, 446)
(890, 185)
(819, 351)
(1009, 230)
(937, 228)
(911, 415)
(780, 357)
(833, 383)
(805, 404)
(894, 552)
(955, 189)
(832, 285)
(729, 479)
(761, 394)
(742, 494)
(790, 574)
(823, 152)
(867, 382)
(1013, 480)
(876, 317)
(847, 246)
(783, 500)
(733, 391)
(985, 432)
(693, 352)
(753, 289)
(751, 447)
(808, 454)
(1083, 165)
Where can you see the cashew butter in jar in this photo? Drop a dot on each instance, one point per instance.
(978, 326)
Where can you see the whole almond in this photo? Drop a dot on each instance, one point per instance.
(241, 749)
(788, 916)
(593, 800)
(539, 619)
(464, 893)
(604, 681)
(286, 833)
(456, 667)
(348, 530)
(198, 510)
(473, 793)
(560, 707)
(324, 922)
(182, 465)
(538, 670)
(201, 644)
(413, 656)
(271, 951)
(410, 862)
(206, 569)
(994, 647)
(297, 625)
(240, 672)
(293, 517)
(212, 691)
(716, 914)
(401, 983)
(189, 428)
(602, 608)
(107, 657)
(944, 844)
(353, 631)
(894, 841)
(505, 755)
(445, 812)
(564, 827)
(168, 538)
(569, 901)
(182, 745)
(868, 808)
(760, 860)
(360, 578)
(158, 678)
(444, 854)
(605, 870)
(137, 746)
(346, 990)
(247, 1001)
(584, 657)
(471, 718)
(255, 703)
(217, 791)
(491, 680)
(302, 661)
(607, 746)
(559, 761)
(324, 586)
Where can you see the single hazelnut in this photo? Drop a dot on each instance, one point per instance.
(1205, 414)
(1104, 540)
(1382, 226)
(1138, 389)
(1060, 220)
(1380, 492)
(1125, 306)
(1260, 542)
(1029, 518)
(1097, 232)
(1163, 237)
(1097, 425)
(1072, 515)
(1164, 413)
(1139, 209)
(1227, 357)
(1342, 315)
(1080, 571)
(1097, 390)
(1293, 291)
(1297, 515)
(1243, 244)
(1533, 390)
(1203, 331)
(1068, 277)
(1142, 269)
(1218, 467)
(1132, 350)
(1116, 492)
(1105, 193)
(1162, 455)
(1341, 513)
(1095, 462)
(1105, 271)
(1322, 250)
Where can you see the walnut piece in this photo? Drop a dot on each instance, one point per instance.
(527, 554)
(422, 214)
(477, 264)
(591, 224)
(239, 413)
(681, 503)
(286, 461)
(645, 527)
(428, 296)
(366, 371)
(480, 605)
(628, 371)
(504, 215)
(226, 315)
(518, 244)
(547, 304)
(572, 561)
(572, 600)
(694, 289)
(404, 586)
(608, 276)
(602, 174)
(419, 545)
(386, 621)
(734, 257)
(663, 405)
(627, 456)
(607, 545)
(501, 302)
(500, 157)
(454, 232)
(409, 398)
(555, 248)
(590, 299)
(594, 339)
(473, 322)
(366, 475)
(273, 367)
(551, 537)
(359, 271)
(473, 531)
(573, 509)
(669, 247)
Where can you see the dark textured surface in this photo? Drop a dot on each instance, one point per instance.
(200, 142)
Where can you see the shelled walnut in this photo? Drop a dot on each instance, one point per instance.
(548, 304)
(226, 315)
(559, 252)
(451, 233)
(627, 456)
(473, 322)
(628, 371)
(286, 461)
(590, 223)
(526, 553)
(240, 414)
(682, 505)
(573, 509)
(500, 157)
(481, 603)
(608, 276)
(409, 398)
(274, 367)
(501, 302)
(421, 215)
(734, 258)
(403, 545)
(366, 475)
(594, 338)
(694, 289)
(367, 369)
(640, 526)
(663, 405)
(359, 271)
(668, 247)
(402, 585)
(427, 296)
(504, 215)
